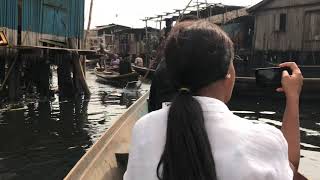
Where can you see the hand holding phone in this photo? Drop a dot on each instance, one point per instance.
(270, 77)
(291, 84)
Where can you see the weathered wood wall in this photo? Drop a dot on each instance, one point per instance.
(302, 26)
(289, 3)
(223, 18)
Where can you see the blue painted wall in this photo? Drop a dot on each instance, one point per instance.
(8, 16)
(57, 17)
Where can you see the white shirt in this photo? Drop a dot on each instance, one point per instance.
(242, 150)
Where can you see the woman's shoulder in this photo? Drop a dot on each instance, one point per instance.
(261, 145)
(269, 138)
(151, 122)
(153, 116)
(257, 133)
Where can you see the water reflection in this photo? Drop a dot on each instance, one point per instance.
(270, 111)
(44, 139)
(41, 141)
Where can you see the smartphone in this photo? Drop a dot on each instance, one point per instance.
(270, 77)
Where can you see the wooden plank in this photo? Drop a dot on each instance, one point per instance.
(223, 18)
(57, 49)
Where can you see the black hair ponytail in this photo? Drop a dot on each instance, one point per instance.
(187, 154)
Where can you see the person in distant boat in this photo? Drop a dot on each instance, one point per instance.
(162, 90)
(138, 61)
(153, 60)
(125, 66)
(115, 61)
(102, 60)
(198, 137)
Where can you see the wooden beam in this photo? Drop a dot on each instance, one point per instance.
(56, 49)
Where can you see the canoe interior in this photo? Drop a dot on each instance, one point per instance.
(115, 78)
(107, 158)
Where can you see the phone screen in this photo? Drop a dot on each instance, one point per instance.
(270, 77)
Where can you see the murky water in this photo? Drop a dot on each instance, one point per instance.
(44, 140)
(271, 111)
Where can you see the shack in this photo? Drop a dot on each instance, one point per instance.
(104, 35)
(288, 29)
(42, 22)
(134, 41)
(41, 33)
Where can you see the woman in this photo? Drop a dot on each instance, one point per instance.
(198, 137)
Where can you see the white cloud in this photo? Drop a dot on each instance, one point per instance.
(130, 12)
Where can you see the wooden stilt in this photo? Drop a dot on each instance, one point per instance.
(76, 81)
(66, 87)
(78, 74)
(83, 65)
(14, 80)
(2, 68)
(44, 84)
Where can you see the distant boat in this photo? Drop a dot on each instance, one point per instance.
(91, 63)
(143, 71)
(114, 78)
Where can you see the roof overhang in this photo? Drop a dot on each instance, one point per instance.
(258, 6)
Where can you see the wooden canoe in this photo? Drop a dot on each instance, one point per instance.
(143, 71)
(114, 78)
(107, 158)
(100, 161)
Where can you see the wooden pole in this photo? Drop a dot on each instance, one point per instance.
(11, 67)
(13, 80)
(88, 28)
(83, 64)
(160, 23)
(2, 68)
(184, 10)
(147, 44)
(44, 71)
(78, 73)
(19, 32)
(198, 8)
(66, 87)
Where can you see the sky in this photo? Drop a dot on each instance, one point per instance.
(130, 12)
